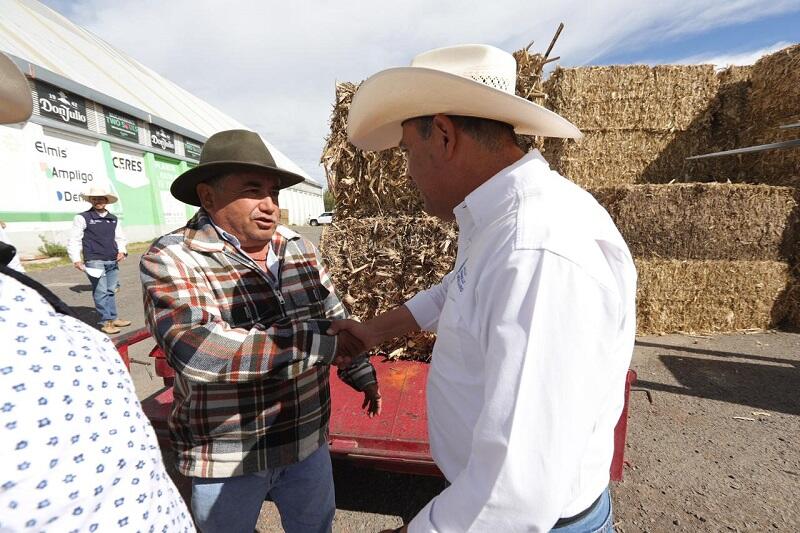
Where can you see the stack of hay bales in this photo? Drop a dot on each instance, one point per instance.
(652, 119)
(639, 122)
(711, 257)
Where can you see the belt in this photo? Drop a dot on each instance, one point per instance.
(572, 519)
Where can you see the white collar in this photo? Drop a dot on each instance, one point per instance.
(491, 198)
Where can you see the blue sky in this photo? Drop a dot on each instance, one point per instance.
(722, 41)
(273, 65)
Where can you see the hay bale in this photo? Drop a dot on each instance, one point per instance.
(709, 296)
(774, 101)
(379, 263)
(619, 157)
(705, 221)
(663, 98)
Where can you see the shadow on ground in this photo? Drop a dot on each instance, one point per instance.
(372, 491)
(81, 288)
(765, 383)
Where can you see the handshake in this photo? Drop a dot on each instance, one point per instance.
(353, 339)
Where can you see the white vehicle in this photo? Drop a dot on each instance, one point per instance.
(324, 218)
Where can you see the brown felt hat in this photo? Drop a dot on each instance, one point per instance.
(230, 151)
(16, 103)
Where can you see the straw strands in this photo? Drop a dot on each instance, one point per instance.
(379, 263)
(363, 183)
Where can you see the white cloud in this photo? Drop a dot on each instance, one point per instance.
(272, 65)
(739, 58)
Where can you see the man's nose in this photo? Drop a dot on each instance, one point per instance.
(268, 204)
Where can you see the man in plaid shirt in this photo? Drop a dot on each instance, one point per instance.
(241, 306)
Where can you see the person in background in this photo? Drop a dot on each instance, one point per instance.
(535, 324)
(14, 262)
(76, 451)
(240, 305)
(96, 246)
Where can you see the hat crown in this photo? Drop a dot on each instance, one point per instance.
(479, 62)
(239, 146)
(96, 191)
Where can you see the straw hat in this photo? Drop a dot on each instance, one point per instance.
(16, 104)
(97, 190)
(472, 80)
(230, 151)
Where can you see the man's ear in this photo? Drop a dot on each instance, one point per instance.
(444, 131)
(205, 193)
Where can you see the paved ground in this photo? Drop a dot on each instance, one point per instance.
(718, 449)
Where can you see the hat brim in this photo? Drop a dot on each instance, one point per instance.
(16, 102)
(184, 188)
(110, 198)
(387, 99)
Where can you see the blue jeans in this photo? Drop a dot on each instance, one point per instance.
(104, 287)
(600, 520)
(303, 493)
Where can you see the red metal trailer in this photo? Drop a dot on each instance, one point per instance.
(396, 441)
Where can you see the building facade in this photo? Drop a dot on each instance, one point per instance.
(98, 123)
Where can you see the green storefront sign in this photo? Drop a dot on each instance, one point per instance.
(121, 125)
(191, 148)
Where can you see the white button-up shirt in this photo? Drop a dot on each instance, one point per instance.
(535, 329)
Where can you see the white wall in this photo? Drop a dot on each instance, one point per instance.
(303, 201)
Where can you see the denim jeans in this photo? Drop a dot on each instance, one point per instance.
(600, 520)
(104, 287)
(303, 493)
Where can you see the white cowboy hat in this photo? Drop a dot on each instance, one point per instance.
(16, 103)
(473, 80)
(97, 190)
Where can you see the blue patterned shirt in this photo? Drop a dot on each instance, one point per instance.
(76, 451)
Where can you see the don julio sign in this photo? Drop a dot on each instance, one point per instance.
(161, 138)
(61, 105)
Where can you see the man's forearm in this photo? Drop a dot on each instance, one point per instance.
(395, 323)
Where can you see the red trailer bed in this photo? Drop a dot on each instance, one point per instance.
(397, 440)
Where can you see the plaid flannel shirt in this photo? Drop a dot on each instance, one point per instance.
(252, 359)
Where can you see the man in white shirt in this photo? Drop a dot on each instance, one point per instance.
(535, 324)
(96, 246)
